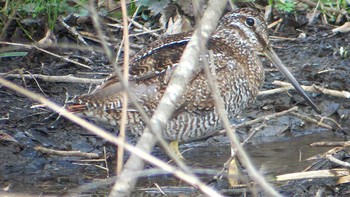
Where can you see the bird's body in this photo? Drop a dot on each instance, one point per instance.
(236, 67)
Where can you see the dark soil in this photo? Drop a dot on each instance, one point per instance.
(313, 60)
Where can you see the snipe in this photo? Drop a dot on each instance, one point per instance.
(239, 73)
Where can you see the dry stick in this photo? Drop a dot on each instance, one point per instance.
(111, 138)
(314, 88)
(308, 119)
(60, 79)
(275, 23)
(105, 160)
(120, 157)
(73, 31)
(37, 83)
(267, 117)
(122, 42)
(149, 32)
(329, 152)
(153, 32)
(151, 138)
(337, 161)
(346, 143)
(322, 118)
(316, 174)
(45, 51)
(174, 91)
(66, 153)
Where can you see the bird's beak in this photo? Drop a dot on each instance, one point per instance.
(269, 52)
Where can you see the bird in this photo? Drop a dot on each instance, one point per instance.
(240, 37)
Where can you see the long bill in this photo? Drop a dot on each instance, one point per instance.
(278, 63)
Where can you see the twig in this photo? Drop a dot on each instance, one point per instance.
(252, 134)
(146, 32)
(66, 153)
(309, 119)
(267, 117)
(347, 143)
(105, 160)
(275, 23)
(73, 31)
(337, 161)
(314, 88)
(120, 157)
(329, 119)
(45, 51)
(37, 83)
(317, 174)
(160, 189)
(63, 79)
(122, 42)
(278, 38)
(144, 28)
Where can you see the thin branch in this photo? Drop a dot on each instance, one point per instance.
(317, 174)
(120, 159)
(60, 79)
(314, 89)
(144, 28)
(47, 52)
(66, 153)
(267, 117)
(337, 161)
(346, 143)
(309, 119)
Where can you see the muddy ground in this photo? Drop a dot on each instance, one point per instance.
(315, 59)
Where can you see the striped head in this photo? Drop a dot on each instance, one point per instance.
(245, 24)
(247, 28)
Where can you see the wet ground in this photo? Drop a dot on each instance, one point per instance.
(281, 146)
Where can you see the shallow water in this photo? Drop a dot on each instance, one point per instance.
(280, 155)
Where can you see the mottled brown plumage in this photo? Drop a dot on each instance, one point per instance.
(238, 70)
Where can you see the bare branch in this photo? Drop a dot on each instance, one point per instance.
(63, 79)
(309, 119)
(314, 88)
(66, 153)
(332, 173)
(346, 143)
(120, 160)
(46, 51)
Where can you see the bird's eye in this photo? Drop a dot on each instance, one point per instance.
(250, 22)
